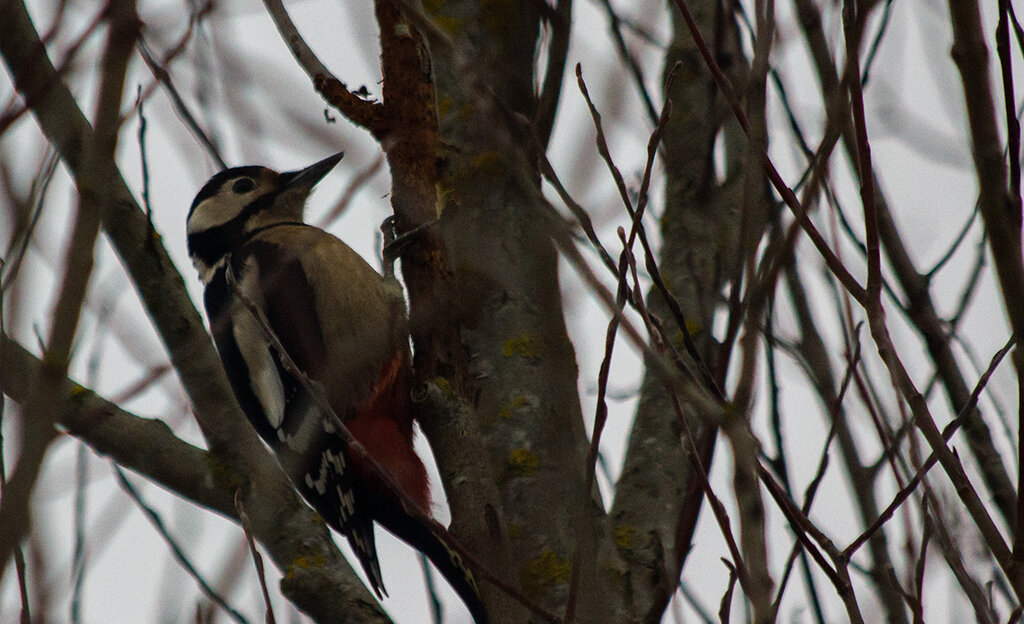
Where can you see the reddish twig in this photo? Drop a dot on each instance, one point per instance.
(694, 452)
(650, 262)
(947, 434)
(852, 25)
(600, 417)
(243, 519)
(831, 260)
(360, 111)
(725, 605)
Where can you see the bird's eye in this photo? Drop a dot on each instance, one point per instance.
(243, 185)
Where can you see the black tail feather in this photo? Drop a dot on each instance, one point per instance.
(360, 537)
(448, 562)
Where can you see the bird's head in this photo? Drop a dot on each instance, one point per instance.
(240, 200)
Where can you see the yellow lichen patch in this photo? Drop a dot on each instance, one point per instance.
(445, 386)
(304, 562)
(451, 25)
(498, 14)
(547, 570)
(491, 161)
(514, 404)
(624, 535)
(523, 461)
(221, 473)
(613, 576)
(444, 104)
(440, 199)
(692, 327)
(515, 531)
(524, 345)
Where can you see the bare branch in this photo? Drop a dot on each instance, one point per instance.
(361, 112)
(40, 409)
(560, 22)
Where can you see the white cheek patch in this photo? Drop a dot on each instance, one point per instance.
(215, 211)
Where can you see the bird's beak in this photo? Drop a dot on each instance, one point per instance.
(308, 177)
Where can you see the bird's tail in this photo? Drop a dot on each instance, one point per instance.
(448, 562)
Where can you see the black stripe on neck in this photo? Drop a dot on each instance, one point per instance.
(249, 236)
(211, 245)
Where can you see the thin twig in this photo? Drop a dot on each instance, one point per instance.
(926, 534)
(600, 417)
(37, 198)
(834, 264)
(548, 171)
(560, 21)
(436, 607)
(176, 550)
(1012, 123)
(694, 602)
(781, 467)
(852, 24)
(143, 160)
(650, 262)
(25, 616)
(627, 57)
(876, 43)
(947, 434)
(694, 454)
(243, 519)
(161, 74)
(960, 237)
(725, 604)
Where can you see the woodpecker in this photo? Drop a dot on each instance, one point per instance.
(344, 326)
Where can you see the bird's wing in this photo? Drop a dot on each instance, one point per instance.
(278, 279)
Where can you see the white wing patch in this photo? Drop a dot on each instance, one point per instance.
(266, 382)
(255, 349)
